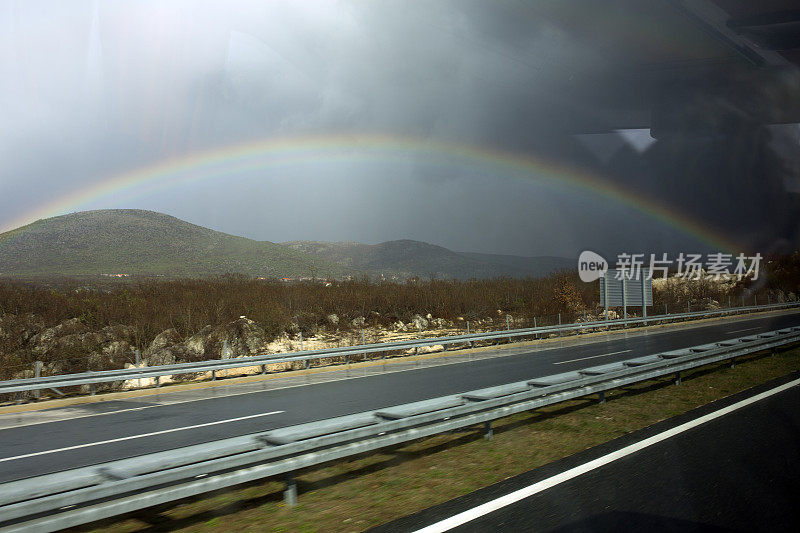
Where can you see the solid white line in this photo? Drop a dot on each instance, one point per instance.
(77, 406)
(591, 357)
(508, 499)
(740, 330)
(98, 443)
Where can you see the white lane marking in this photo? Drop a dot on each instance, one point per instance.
(591, 357)
(513, 497)
(740, 330)
(142, 435)
(67, 410)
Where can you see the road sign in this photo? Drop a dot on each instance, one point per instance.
(634, 289)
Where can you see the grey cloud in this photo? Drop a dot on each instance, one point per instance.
(92, 89)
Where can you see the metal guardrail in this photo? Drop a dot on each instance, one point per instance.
(65, 499)
(108, 376)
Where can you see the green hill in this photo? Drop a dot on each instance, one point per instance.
(136, 242)
(405, 258)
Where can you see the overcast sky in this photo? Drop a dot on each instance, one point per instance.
(92, 90)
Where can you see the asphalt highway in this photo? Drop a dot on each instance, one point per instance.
(121, 429)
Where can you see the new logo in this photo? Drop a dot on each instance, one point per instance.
(591, 266)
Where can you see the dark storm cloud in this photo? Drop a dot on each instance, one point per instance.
(91, 89)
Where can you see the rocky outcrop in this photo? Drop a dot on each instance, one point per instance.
(164, 339)
(242, 337)
(166, 349)
(440, 323)
(111, 340)
(199, 342)
(46, 340)
(419, 321)
(612, 315)
(70, 346)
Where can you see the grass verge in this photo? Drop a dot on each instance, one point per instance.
(371, 489)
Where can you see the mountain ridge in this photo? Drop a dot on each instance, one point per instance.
(407, 258)
(148, 243)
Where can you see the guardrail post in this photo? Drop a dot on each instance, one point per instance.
(37, 372)
(644, 298)
(755, 300)
(364, 341)
(488, 432)
(601, 397)
(624, 300)
(733, 362)
(559, 323)
(138, 362)
(213, 375)
(471, 344)
(666, 312)
(91, 389)
(677, 378)
(225, 353)
(263, 369)
(508, 327)
(290, 492)
(158, 381)
(773, 352)
(534, 327)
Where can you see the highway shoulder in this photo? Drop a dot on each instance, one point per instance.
(484, 497)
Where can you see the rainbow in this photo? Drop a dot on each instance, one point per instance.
(227, 160)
